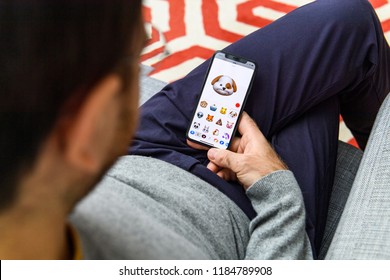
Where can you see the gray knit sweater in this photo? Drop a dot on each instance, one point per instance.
(148, 209)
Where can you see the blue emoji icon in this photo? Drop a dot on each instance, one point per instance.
(213, 107)
(200, 115)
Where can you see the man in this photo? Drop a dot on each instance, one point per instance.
(322, 59)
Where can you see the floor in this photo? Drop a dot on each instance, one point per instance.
(183, 33)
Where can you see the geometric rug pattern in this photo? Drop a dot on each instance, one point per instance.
(184, 33)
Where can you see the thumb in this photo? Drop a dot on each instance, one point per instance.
(223, 158)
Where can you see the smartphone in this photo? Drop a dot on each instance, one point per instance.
(224, 92)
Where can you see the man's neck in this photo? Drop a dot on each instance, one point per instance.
(35, 226)
(33, 234)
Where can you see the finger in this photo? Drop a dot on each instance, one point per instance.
(196, 146)
(227, 175)
(223, 158)
(213, 167)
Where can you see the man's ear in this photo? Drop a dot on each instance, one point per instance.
(88, 135)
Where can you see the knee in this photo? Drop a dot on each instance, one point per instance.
(346, 16)
(351, 12)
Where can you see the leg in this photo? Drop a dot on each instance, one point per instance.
(324, 49)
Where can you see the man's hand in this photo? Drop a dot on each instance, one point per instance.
(251, 156)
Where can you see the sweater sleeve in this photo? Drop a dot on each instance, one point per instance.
(278, 230)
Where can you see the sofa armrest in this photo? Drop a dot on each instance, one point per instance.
(348, 161)
(364, 228)
(148, 86)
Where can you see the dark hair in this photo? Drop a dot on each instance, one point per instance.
(52, 51)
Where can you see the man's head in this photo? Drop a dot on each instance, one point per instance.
(68, 93)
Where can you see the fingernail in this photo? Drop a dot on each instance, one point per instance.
(211, 154)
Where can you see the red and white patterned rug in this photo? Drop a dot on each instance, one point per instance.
(184, 33)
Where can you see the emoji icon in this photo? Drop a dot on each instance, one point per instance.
(215, 140)
(227, 144)
(221, 142)
(238, 105)
(200, 115)
(229, 124)
(233, 114)
(216, 132)
(206, 129)
(203, 104)
(219, 122)
(224, 85)
(196, 125)
(198, 134)
(203, 136)
(226, 136)
(209, 118)
(192, 132)
(223, 110)
(213, 107)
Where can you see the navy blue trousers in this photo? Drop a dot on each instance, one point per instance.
(323, 59)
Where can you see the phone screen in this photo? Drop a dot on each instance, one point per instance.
(222, 100)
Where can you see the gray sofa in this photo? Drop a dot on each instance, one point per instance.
(363, 231)
(358, 225)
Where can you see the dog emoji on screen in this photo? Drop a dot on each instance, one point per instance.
(224, 85)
